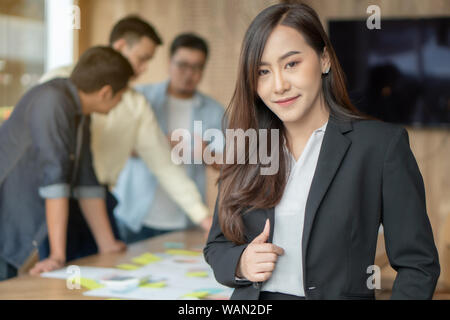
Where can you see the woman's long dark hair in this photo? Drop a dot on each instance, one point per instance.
(242, 188)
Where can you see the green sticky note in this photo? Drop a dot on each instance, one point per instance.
(159, 284)
(174, 245)
(197, 294)
(200, 274)
(183, 252)
(90, 284)
(211, 290)
(127, 266)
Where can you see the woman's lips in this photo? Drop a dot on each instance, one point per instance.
(288, 101)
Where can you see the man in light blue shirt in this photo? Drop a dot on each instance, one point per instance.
(145, 210)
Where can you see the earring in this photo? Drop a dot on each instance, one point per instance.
(328, 70)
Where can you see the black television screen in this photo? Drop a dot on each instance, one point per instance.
(399, 73)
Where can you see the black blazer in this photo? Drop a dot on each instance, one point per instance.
(366, 175)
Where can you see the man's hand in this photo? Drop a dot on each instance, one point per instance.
(112, 247)
(258, 260)
(94, 210)
(47, 265)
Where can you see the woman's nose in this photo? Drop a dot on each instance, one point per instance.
(280, 83)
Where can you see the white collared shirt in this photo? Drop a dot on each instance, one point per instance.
(289, 218)
(163, 213)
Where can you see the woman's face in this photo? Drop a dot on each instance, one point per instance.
(290, 75)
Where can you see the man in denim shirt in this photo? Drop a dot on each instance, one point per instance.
(45, 160)
(144, 208)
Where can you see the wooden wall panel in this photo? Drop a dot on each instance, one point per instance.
(222, 23)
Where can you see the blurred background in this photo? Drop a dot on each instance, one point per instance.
(399, 73)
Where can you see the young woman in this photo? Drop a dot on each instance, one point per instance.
(310, 230)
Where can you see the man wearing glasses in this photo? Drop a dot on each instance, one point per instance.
(177, 104)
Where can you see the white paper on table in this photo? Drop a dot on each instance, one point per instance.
(139, 293)
(167, 269)
(94, 273)
(165, 293)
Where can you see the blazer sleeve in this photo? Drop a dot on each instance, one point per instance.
(223, 255)
(407, 230)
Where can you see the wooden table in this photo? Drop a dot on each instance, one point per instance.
(35, 287)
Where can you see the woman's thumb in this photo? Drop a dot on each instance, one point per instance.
(263, 236)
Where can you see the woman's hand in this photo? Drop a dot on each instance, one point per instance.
(47, 265)
(258, 260)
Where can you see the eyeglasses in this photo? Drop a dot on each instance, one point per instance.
(185, 66)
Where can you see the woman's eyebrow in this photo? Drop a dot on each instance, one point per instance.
(284, 56)
(288, 54)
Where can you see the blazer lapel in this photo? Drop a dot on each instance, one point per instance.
(333, 149)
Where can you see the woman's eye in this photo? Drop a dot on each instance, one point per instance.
(292, 64)
(263, 72)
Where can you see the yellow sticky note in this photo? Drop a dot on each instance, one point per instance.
(90, 284)
(159, 284)
(183, 252)
(127, 266)
(146, 258)
(198, 294)
(200, 274)
(151, 257)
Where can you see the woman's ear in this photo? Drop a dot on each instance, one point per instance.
(325, 61)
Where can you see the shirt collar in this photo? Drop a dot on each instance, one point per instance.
(197, 98)
(322, 128)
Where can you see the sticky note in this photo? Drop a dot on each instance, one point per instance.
(210, 290)
(199, 274)
(90, 284)
(183, 252)
(159, 284)
(127, 266)
(197, 294)
(146, 258)
(174, 245)
(149, 255)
